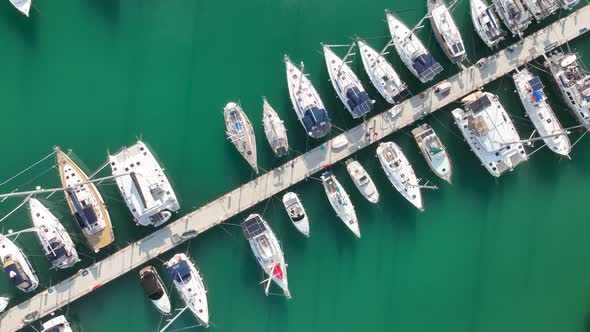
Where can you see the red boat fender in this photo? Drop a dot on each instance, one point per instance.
(97, 286)
(326, 166)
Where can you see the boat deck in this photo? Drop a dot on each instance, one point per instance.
(290, 173)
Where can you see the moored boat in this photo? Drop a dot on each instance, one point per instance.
(400, 173)
(57, 244)
(239, 131)
(445, 30)
(274, 129)
(267, 251)
(541, 9)
(23, 6)
(568, 4)
(306, 101)
(154, 288)
(486, 22)
(340, 202)
(433, 151)
(514, 14)
(143, 185)
(57, 324)
(296, 212)
(530, 91)
(362, 180)
(17, 267)
(4, 303)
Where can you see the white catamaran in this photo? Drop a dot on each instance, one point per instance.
(23, 6)
(362, 180)
(348, 87)
(486, 22)
(530, 91)
(434, 152)
(274, 129)
(411, 50)
(240, 133)
(490, 133)
(306, 101)
(340, 202)
(296, 212)
(53, 237)
(574, 84)
(445, 30)
(400, 173)
(514, 14)
(17, 267)
(268, 251)
(143, 185)
(382, 75)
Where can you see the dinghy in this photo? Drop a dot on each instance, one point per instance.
(445, 30)
(154, 288)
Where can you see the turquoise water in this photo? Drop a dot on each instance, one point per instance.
(485, 255)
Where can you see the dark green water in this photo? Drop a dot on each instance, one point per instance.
(486, 255)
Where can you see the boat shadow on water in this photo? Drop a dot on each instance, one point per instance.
(108, 9)
(12, 20)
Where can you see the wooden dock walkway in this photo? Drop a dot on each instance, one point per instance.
(290, 173)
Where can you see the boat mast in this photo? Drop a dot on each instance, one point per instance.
(562, 133)
(348, 53)
(170, 321)
(301, 77)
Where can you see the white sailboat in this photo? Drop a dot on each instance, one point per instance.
(340, 202)
(382, 75)
(434, 152)
(530, 91)
(296, 212)
(574, 84)
(362, 180)
(306, 101)
(57, 324)
(514, 15)
(240, 133)
(445, 30)
(541, 9)
(57, 245)
(486, 22)
(490, 133)
(348, 87)
(411, 50)
(154, 289)
(143, 185)
(23, 6)
(274, 129)
(189, 284)
(268, 252)
(17, 267)
(400, 173)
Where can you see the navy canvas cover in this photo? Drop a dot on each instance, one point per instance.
(57, 252)
(358, 102)
(180, 271)
(17, 276)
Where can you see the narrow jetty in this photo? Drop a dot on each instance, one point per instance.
(292, 172)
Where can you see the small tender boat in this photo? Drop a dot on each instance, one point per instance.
(434, 152)
(4, 303)
(57, 324)
(306, 101)
(275, 130)
(296, 212)
(17, 267)
(362, 180)
(411, 50)
(53, 237)
(155, 290)
(239, 131)
(514, 15)
(23, 6)
(573, 82)
(486, 23)
(445, 30)
(190, 287)
(400, 173)
(144, 185)
(339, 142)
(530, 91)
(541, 9)
(490, 133)
(348, 87)
(382, 75)
(85, 203)
(267, 250)
(340, 202)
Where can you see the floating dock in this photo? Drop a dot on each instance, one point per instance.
(292, 172)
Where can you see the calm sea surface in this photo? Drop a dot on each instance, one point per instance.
(485, 255)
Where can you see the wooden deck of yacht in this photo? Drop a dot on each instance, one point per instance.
(296, 170)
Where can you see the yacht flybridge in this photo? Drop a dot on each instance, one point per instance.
(306, 101)
(85, 203)
(348, 87)
(17, 267)
(445, 30)
(486, 23)
(541, 9)
(514, 14)
(433, 151)
(23, 6)
(411, 50)
(268, 252)
(239, 131)
(382, 75)
(574, 84)
(530, 91)
(274, 129)
(57, 245)
(143, 185)
(340, 202)
(490, 133)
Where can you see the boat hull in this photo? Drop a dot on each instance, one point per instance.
(240, 132)
(362, 181)
(296, 213)
(341, 203)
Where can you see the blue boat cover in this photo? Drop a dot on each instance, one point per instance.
(402, 95)
(253, 227)
(56, 252)
(17, 276)
(180, 272)
(316, 122)
(426, 66)
(537, 96)
(281, 151)
(358, 102)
